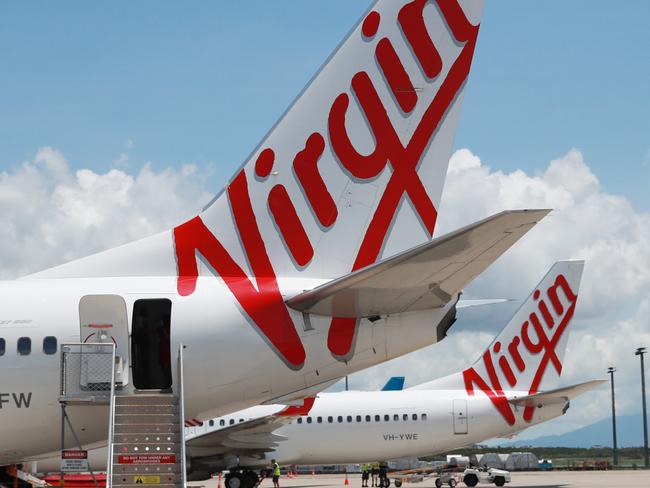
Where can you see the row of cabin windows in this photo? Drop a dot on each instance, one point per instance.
(368, 418)
(359, 418)
(222, 422)
(24, 346)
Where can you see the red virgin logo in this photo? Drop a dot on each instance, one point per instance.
(264, 303)
(531, 344)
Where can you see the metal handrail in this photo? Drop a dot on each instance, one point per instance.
(181, 410)
(111, 427)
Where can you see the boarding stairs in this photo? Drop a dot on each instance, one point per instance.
(146, 444)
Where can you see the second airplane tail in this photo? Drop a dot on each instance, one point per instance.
(528, 353)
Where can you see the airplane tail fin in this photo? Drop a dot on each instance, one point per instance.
(352, 172)
(394, 383)
(528, 353)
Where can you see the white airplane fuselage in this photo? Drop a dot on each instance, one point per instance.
(357, 427)
(227, 364)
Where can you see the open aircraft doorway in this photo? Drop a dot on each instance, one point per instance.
(150, 344)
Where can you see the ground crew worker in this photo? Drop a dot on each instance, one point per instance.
(276, 473)
(383, 475)
(374, 471)
(365, 474)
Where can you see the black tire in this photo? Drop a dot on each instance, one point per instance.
(438, 483)
(398, 483)
(470, 480)
(250, 479)
(233, 481)
(499, 481)
(452, 483)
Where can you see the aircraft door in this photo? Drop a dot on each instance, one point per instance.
(103, 319)
(151, 344)
(460, 416)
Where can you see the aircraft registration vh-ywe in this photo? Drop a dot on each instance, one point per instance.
(315, 261)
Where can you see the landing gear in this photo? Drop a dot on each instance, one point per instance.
(241, 478)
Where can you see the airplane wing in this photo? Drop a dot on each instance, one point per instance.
(250, 438)
(427, 276)
(561, 395)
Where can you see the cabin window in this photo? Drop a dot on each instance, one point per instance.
(330, 420)
(24, 346)
(2, 347)
(340, 419)
(377, 418)
(386, 418)
(415, 416)
(222, 422)
(367, 418)
(319, 420)
(405, 417)
(49, 345)
(396, 417)
(358, 418)
(211, 423)
(241, 420)
(232, 421)
(309, 420)
(300, 420)
(424, 416)
(349, 418)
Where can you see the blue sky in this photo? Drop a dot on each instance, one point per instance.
(203, 81)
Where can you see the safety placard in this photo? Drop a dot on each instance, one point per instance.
(146, 459)
(146, 480)
(74, 465)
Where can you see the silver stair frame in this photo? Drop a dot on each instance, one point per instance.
(111, 430)
(181, 412)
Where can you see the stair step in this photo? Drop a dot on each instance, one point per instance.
(146, 400)
(146, 418)
(119, 439)
(170, 450)
(161, 485)
(133, 469)
(152, 428)
(143, 409)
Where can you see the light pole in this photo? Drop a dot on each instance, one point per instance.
(611, 372)
(640, 352)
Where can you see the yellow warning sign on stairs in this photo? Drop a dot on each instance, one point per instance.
(146, 480)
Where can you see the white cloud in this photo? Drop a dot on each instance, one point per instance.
(49, 214)
(613, 315)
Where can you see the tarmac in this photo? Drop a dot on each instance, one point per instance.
(530, 479)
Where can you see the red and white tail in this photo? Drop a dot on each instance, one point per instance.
(356, 166)
(352, 172)
(528, 353)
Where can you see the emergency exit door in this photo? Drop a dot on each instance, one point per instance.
(460, 416)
